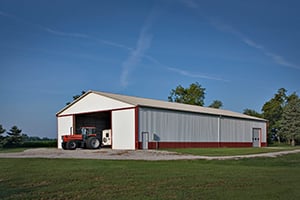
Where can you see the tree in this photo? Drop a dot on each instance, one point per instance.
(272, 111)
(14, 137)
(193, 95)
(290, 122)
(252, 113)
(77, 96)
(216, 104)
(2, 138)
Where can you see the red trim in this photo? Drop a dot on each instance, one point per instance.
(65, 115)
(159, 145)
(236, 144)
(73, 124)
(136, 123)
(267, 129)
(264, 144)
(111, 129)
(126, 108)
(260, 137)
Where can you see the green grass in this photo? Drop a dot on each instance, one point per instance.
(12, 150)
(229, 151)
(259, 178)
(20, 149)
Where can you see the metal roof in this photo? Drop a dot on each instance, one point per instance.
(138, 101)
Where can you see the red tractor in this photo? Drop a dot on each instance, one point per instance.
(88, 138)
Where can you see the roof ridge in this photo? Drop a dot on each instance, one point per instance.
(147, 102)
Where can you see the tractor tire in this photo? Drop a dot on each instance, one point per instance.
(92, 143)
(64, 145)
(71, 145)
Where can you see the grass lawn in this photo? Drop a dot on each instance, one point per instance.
(20, 149)
(12, 150)
(259, 178)
(229, 151)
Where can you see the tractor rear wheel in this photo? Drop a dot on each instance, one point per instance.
(64, 145)
(71, 145)
(92, 143)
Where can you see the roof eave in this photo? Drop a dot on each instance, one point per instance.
(73, 102)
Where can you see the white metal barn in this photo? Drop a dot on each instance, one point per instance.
(140, 123)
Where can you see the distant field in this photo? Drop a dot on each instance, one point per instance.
(229, 151)
(259, 178)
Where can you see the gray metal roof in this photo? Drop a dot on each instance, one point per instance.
(138, 101)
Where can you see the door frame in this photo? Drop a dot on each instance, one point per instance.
(256, 139)
(145, 140)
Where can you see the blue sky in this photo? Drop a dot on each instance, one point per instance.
(242, 52)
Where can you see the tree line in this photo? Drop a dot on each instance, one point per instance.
(15, 138)
(283, 115)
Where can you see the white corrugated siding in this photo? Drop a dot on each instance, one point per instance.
(123, 129)
(240, 130)
(94, 103)
(172, 126)
(176, 126)
(64, 124)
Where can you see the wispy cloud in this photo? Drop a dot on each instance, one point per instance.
(85, 36)
(64, 34)
(4, 14)
(221, 26)
(135, 56)
(60, 33)
(252, 44)
(279, 60)
(195, 75)
(114, 44)
(182, 72)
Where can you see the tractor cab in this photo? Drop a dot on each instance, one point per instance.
(88, 131)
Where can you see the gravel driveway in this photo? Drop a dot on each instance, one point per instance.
(108, 154)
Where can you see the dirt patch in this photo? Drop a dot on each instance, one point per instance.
(108, 154)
